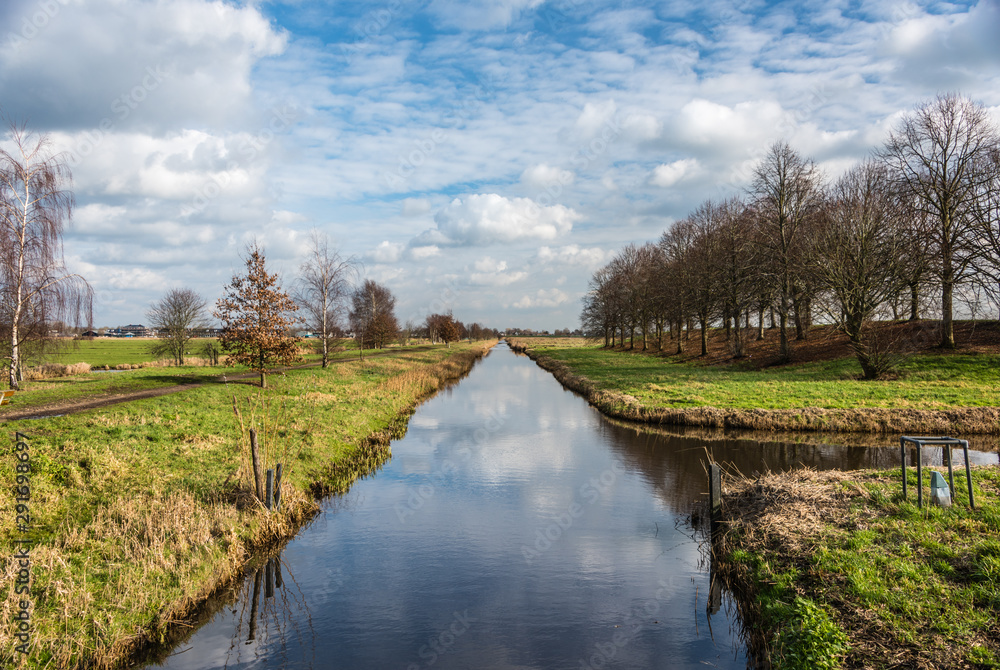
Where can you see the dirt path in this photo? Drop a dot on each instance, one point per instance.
(104, 400)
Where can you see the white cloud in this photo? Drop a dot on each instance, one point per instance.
(416, 206)
(490, 218)
(387, 252)
(668, 174)
(142, 64)
(487, 264)
(542, 298)
(574, 255)
(543, 175)
(594, 117)
(481, 14)
(429, 251)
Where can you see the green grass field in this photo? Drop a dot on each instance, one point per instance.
(926, 381)
(112, 352)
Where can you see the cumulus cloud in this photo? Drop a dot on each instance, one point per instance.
(668, 174)
(387, 252)
(595, 117)
(490, 218)
(542, 298)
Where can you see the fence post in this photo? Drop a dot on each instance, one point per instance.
(269, 496)
(714, 488)
(277, 487)
(258, 484)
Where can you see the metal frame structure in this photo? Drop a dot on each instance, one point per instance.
(943, 442)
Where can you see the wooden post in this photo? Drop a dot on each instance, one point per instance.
(269, 496)
(714, 488)
(277, 487)
(258, 483)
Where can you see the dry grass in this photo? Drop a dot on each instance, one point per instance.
(911, 588)
(52, 370)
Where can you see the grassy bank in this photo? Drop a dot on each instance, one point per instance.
(835, 570)
(933, 393)
(140, 511)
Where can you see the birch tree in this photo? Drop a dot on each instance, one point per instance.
(323, 288)
(36, 288)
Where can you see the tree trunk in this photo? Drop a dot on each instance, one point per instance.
(704, 335)
(914, 302)
(263, 380)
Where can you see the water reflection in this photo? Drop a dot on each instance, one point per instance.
(514, 527)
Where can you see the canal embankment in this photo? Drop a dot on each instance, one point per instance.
(954, 395)
(140, 511)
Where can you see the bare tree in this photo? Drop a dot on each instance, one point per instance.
(860, 247)
(372, 315)
(176, 317)
(323, 287)
(736, 268)
(987, 219)
(938, 153)
(256, 318)
(36, 288)
(788, 191)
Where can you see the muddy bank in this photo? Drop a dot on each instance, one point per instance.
(964, 421)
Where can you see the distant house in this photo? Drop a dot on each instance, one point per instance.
(90, 333)
(132, 330)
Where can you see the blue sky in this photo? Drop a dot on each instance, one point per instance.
(484, 157)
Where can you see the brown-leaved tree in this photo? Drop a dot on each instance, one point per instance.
(256, 318)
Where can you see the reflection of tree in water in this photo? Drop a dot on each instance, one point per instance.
(271, 609)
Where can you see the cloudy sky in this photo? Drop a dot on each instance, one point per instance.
(483, 156)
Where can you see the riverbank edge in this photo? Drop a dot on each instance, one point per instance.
(267, 530)
(767, 535)
(966, 420)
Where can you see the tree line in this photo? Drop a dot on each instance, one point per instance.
(919, 218)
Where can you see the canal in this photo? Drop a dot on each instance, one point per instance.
(514, 527)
